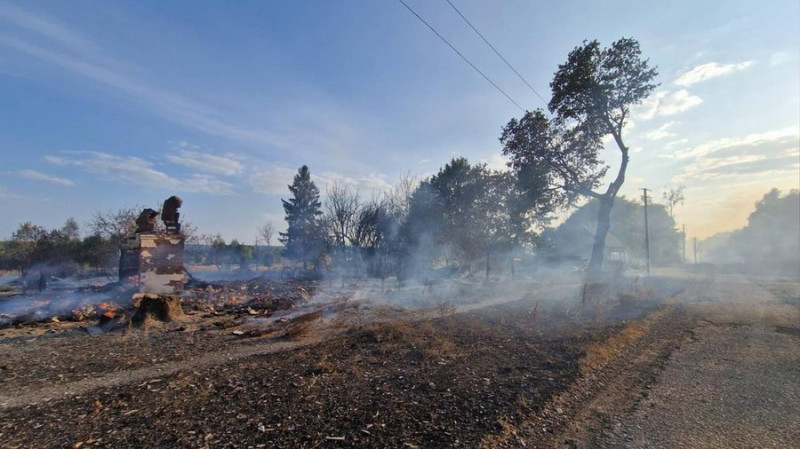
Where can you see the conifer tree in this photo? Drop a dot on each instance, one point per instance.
(304, 238)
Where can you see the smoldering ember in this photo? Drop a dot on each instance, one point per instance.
(531, 307)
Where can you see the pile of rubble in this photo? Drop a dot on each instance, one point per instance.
(119, 301)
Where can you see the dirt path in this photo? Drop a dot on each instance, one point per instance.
(731, 380)
(734, 387)
(142, 374)
(737, 384)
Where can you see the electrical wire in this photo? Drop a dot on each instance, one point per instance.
(496, 51)
(461, 55)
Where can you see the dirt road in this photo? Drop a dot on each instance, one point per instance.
(734, 383)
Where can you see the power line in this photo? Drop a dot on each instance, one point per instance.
(496, 52)
(462, 56)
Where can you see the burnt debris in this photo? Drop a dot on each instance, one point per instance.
(170, 215)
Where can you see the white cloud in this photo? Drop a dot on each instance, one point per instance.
(710, 70)
(271, 180)
(39, 176)
(134, 170)
(496, 161)
(665, 103)
(715, 145)
(662, 132)
(275, 179)
(365, 185)
(767, 155)
(227, 164)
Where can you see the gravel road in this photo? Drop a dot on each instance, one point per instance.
(736, 385)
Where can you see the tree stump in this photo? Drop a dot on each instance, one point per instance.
(157, 308)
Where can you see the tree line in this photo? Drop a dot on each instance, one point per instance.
(467, 212)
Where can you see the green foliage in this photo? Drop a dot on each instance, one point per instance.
(554, 165)
(304, 239)
(556, 160)
(597, 87)
(57, 251)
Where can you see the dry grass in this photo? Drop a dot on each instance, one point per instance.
(493, 440)
(598, 354)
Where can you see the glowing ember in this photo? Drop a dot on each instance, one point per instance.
(108, 309)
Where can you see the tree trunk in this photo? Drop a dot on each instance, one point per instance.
(603, 225)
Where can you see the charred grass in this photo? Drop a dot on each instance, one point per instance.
(436, 379)
(443, 381)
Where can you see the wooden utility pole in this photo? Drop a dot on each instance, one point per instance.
(695, 250)
(256, 253)
(646, 232)
(684, 244)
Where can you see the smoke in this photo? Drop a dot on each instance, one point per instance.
(70, 298)
(769, 244)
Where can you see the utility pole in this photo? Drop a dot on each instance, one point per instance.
(646, 232)
(256, 255)
(695, 250)
(684, 244)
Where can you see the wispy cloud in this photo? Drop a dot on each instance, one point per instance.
(710, 70)
(787, 135)
(662, 132)
(772, 153)
(39, 176)
(47, 28)
(664, 103)
(274, 179)
(227, 165)
(52, 42)
(271, 179)
(738, 167)
(134, 170)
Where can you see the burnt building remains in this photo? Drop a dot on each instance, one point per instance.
(152, 258)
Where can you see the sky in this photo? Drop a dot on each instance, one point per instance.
(112, 104)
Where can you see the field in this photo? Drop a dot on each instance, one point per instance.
(535, 363)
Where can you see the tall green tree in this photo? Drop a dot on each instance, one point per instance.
(304, 238)
(592, 94)
(468, 212)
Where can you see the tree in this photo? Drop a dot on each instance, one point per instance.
(266, 232)
(467, 212)
(115, 226)
(592, 96)
(771, 241)
(304, 237)
(672, 198)
(341, 208)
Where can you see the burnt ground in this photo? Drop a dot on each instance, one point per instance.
(527, 371)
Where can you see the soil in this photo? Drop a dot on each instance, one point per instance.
(539, 367)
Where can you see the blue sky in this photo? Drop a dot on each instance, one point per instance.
(113, 104)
